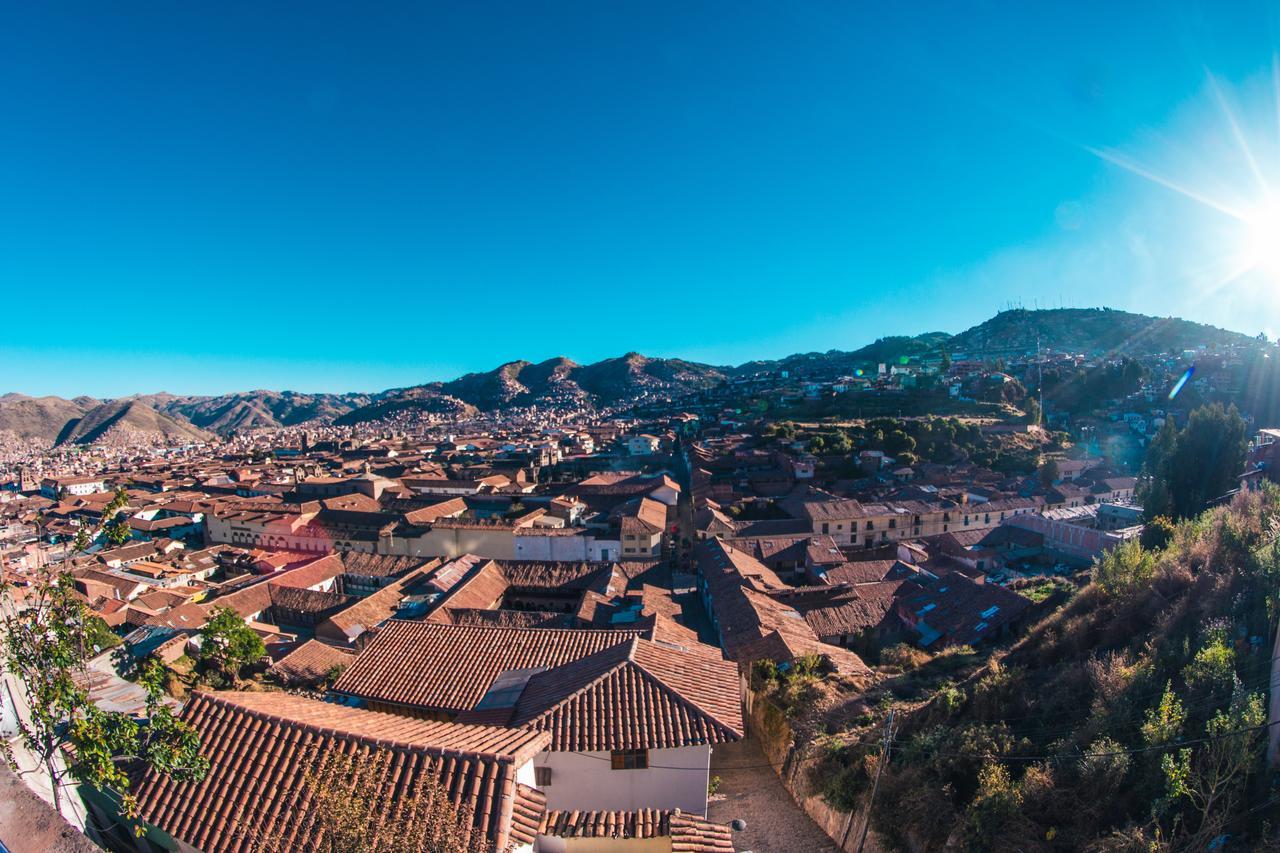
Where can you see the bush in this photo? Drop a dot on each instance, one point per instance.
(1124, 570)
(993, 810)
(904, 656)
(1157, 533)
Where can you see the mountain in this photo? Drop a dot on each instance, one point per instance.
(557, 382)
(126, 418)
(888, 350)
(1092, 331)
(613, 382)
(254, 409)
(40, 417)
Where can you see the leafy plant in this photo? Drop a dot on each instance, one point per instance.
(48, 638)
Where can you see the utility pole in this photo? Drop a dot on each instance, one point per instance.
(884, 759)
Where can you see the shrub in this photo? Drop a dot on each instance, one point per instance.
(1123, 570)
(904, 656)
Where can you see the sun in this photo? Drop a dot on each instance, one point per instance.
(1261, 249)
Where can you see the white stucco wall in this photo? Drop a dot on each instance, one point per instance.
(552, 844)
(676, 779)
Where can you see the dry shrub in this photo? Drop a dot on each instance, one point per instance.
(904, 656)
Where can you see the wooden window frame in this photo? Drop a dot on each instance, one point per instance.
(629, 759)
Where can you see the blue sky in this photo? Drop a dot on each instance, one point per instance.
(200, 197)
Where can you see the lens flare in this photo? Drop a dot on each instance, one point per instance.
(1186, 377)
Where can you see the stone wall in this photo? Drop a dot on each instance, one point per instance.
(770, 727)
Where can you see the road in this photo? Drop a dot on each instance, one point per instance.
(750, 790)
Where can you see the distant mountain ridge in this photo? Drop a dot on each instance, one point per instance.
(613, 382)
(228, 413)
(126, 418)
(1086, 330)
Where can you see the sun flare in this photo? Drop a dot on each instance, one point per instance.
(1261, 250)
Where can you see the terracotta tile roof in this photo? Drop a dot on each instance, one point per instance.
(481, 589)
(957, 610)
(246, 601)
(258, 745)
(383, 565)
(310, 663)
(288, 600)
(313, 574)
(527, 812)
(368, 612)
(867, 571)
(507, 618)
(437, 511)
(753, 624)
(635, 695)
(688, 833)
(450, 667)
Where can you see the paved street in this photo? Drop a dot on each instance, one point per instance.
(752, 791)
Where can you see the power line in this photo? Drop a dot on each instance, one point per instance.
(875, 786)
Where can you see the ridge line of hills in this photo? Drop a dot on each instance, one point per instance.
(561, 381)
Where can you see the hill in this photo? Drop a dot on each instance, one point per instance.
(1131, 715)
(229, 413)
(555, 383)
(118, 419)
(40, 417)
(1091, 331)
(617, 382)
(887, 350)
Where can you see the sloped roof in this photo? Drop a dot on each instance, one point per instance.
(752, 623)
(449, 667)
(591, 689)
(310, 663)
(688, 833)
(635, 695)
(259, 747)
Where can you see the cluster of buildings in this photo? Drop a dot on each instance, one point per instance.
(552, 624)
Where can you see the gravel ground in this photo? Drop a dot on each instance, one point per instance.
(751, 791)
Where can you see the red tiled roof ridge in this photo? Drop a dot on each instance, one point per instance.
(540, 631)
(628, 659)
(680, 697)
(526, 749)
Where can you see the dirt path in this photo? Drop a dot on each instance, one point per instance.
(751, 791)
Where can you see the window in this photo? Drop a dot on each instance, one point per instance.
(629, 759)
(542, 776)
(824, 527)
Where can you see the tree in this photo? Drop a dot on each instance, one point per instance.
(1164, 722)
(228, 644)
(1210, 779)
(117, 532)
(898, 443)
(1153, 486)
(1208, 458)
(357, 811)
(48, 639)
(1186, 470)
(83, 540)
(1123, 570)
(1032, 408)
(993, 810)
(1157, 533)
(1048, 473)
